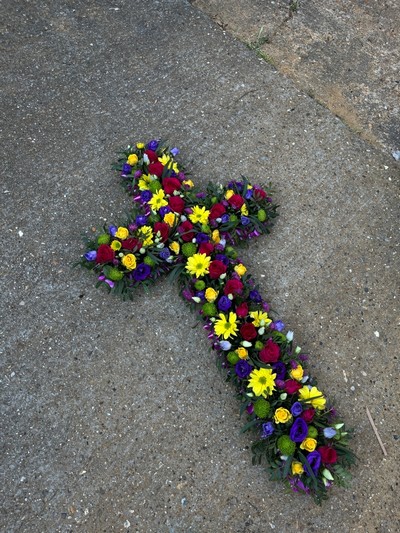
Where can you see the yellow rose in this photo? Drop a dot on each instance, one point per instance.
(188, 183)
(132, 159)
(282, 415)
(297, 468)
(211, 294)
(242, 352)
(122, 233)
(312, 396)
(240, 270)
(129, 261)
(175, 247)
(139, 146)
(308, 444)
(169, 218)
(297, 373)
(116, 245)
(228, 194)
(215, 236)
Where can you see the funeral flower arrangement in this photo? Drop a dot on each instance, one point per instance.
(193, 236)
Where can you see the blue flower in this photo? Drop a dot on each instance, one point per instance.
(255, 296)
(112, 230)
(279, 325)
(174, 151)
(249, 194)
(267, 430)
(279, 370)
(164, 210)
(222, 258)
(91, 256)
(141, 272)
(243, 369)
(329, 433)
(224, 303)
(146, 195)
(126, 168)
(314, 460)
(299, 430)
(153, 145)
(244, 220)
(225, 218)
(225, 345)
(296, 410)
(141, 220)
(165, 253)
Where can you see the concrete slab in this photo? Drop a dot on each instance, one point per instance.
(114, 415)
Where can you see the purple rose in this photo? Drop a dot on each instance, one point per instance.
(280, 370)
(296, 410)
(165, 253)
(200, 294)
(126, 168)
(299, 430)
(243, 369)
(314, 460)
(141, 220)
(91, 256)
(164, 210)
(202, 237)
(224, 303)
(222, 258)
(146, 195)
(141, 272)
(267, 430)
(244, 220)
(152, 145)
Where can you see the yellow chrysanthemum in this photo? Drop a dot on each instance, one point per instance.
(229, 193)
(297, 468)
(175, 247)
(198, 265)
(170, 218)
(260, 318)
(240, 270)
(158, 200)
(122, 233)
(242, 352)
(200, 214)
(132, 159)
(312, 396)
(244, 210)
(129, 261)
(144, 181)
(215, 236)
(308, 444)
(262, 381)
(116, 245)
(297, 373)
(146, 235)
(226, 326)
(211, 294)
(168, 162)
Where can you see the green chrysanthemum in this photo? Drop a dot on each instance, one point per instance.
(209, 309)
(262, 408)
(104, 238)
(189, 249)
(312, 432)
(114, 274)
(286, 445)
(233, 358)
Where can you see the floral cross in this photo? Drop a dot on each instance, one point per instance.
(193, 237)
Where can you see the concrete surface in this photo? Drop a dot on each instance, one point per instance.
(114, 416)
(344, 53)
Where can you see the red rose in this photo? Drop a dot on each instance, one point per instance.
(216, 211)
(236, 201)
(206, 248)
(163, 228)
(270, 353)
(170, 185)
(156, 169)
(185, 231)
(153, 157)
(216, 269)
(233, 286)
(105, 254)
(131, 244)
(177, 204)
(328, 455)
(259, 194)
(308, 415)
(248, 331)
(292, 386)
(242, 310)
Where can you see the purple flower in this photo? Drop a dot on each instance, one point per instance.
(225, 218)
(146, 195)
(314, 460)
(165, 253)
(141, 272)
(164, 210)
(200, 294)
(141, 220)
(255, 296)
(280, 383)
(224, 303)
(299, 430)
(91, 256)
(137, 174)
(279, 325)
(112, 230)
(202, 237)
(329, 433)
(249, 194)
(126, 168)
(280, 370)
(222, 258)
(244, 220)
(250, 409)
(296, 410)
(187, 294)
(243, 369)
(267, 430)
(174, 151)
(152, 145)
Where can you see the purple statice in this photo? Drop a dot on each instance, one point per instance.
(296, 410)
(224, 303)
(243, 369)
(299, 430)
(153, 145)
(244, 220)
(314, 460)
(201, 195)
(279, 369)
(141, 272)
(146, 195)
(91, 256)
(141, 220)
(267, 430)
